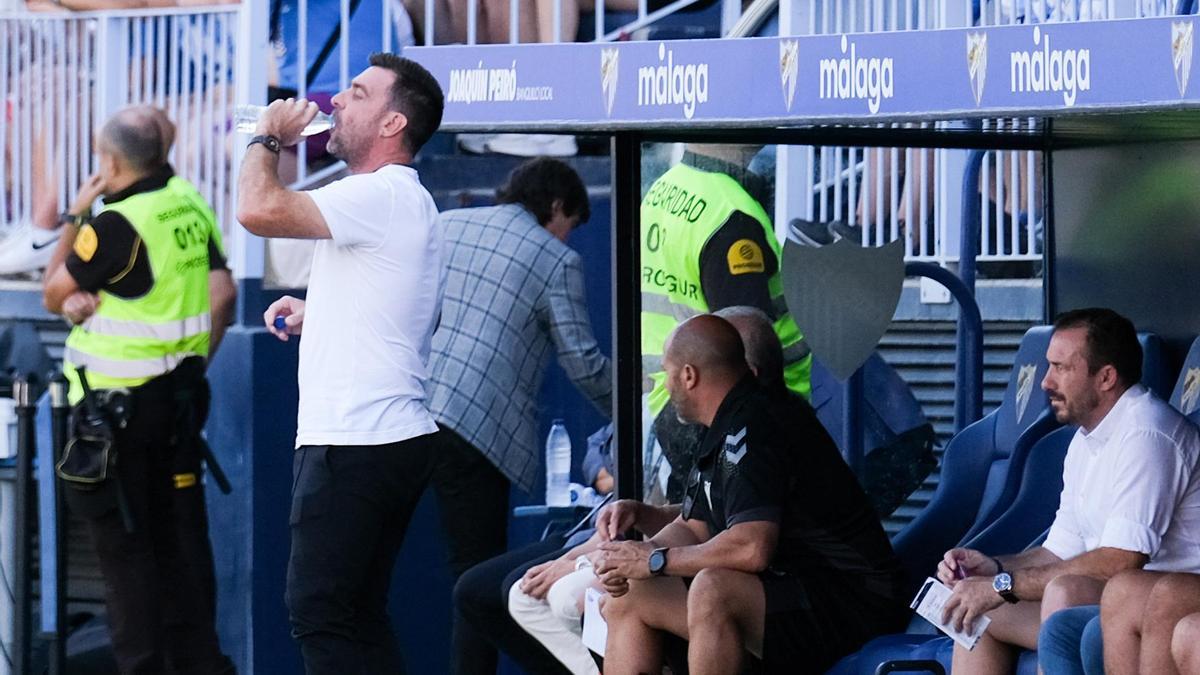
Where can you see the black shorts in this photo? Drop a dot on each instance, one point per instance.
(814, 620)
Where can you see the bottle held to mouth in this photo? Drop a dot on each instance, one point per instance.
(245, 120)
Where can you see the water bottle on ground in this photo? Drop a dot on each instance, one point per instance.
(558, 466)
(245, 120)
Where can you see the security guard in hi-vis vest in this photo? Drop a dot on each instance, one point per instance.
(145, 284)
(707, 244)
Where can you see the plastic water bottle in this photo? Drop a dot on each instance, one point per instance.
(245, 119)
(558, 466)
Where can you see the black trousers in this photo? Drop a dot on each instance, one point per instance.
(472, 497)
(159, 584)
(351, 506)
(481, 601)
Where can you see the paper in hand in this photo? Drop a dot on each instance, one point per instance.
(929, 603)
(595, 629)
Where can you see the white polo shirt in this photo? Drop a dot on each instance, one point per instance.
(373, 301)
(1132, 484)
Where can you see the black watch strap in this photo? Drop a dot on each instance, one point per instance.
(658, 562)
(999, 567)
(269, 142)
(77, 220)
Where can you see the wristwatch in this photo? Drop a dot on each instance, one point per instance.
(658, 561)
(1002, 583)
(269, 142)
(78, 220)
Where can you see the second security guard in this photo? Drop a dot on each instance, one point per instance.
(707, 244)
(135, 281)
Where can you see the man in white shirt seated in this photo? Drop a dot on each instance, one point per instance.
(1130, 498)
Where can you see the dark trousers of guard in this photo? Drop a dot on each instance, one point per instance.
(160, 586)
(351, 506)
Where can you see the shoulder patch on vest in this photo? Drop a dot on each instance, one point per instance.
(86, 242)
(745, 257)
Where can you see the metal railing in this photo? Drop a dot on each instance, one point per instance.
(1010, 184)
(62, 74)
(643, 16)
(915, 194)
(890, 193)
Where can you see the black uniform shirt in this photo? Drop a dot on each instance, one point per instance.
(767, 458)
(724, 282)
(112, 257)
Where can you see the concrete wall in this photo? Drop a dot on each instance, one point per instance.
(1127, 235)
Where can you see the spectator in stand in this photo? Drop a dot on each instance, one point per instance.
(100, 5)
(30, 241)
(1130, 499)
(493, 21)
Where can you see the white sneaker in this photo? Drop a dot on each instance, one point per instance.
(476, 144)
(27, 248)
(534, 145)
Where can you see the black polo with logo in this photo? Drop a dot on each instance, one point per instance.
(766, 457)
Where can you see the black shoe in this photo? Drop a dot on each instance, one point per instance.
(841, 230)
(810, 233)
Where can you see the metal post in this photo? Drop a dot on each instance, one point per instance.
(627, 303)
(852, 440)
(1049, 246)
(968, 242)
(59, 412)
(26, 448)
(112, 57)
(247, 251)
(968, 406)
(968, 372)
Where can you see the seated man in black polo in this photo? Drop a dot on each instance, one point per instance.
(777, 552)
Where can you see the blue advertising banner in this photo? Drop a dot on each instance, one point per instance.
(1040, 69)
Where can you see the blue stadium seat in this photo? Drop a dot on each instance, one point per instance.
(1186, 396)
(897, 439)
(1032, 511)
(889, 408)
(1157, 375)
(975, 463)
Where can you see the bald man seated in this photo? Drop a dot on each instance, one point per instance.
(777, 555)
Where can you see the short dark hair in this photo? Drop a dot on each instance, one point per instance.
(134, 138)
(537, 183)
(416, 94)
(1111, 341)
